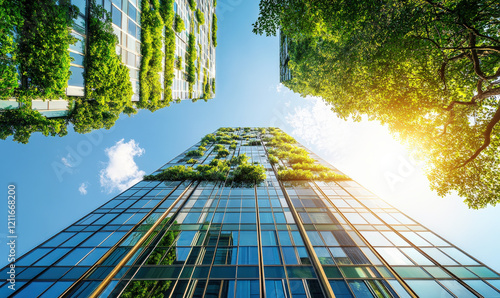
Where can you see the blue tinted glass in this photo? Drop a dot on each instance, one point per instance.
(482, 288)
(50, 258)
(457, 289)
(248, 255)
(297, 288)
(57, 289)
(34, 289)
(74, 257)
(76, 78)
(284, 238)
(340, 289)
(32, 256)
(289, 255)
(271, 255)
(132, 11)
(274, 288)
(268, 238)
(77, 58)
(116, 16)
(80, 4)
(132, 28)
(428, 288)
(248, 238)
(360, 289)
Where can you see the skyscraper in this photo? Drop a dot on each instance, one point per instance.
(248, 212)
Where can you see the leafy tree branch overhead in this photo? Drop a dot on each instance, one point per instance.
(427, 69)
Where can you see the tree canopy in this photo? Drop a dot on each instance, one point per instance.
(427, 69)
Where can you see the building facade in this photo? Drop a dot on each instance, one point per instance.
(248, 212)
(126, 18)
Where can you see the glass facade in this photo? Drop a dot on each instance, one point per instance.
(274, 238)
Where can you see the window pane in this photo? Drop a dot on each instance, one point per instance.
(428, 289)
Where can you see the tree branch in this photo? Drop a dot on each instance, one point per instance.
(486, 94)
(487, 138)
(457, 102)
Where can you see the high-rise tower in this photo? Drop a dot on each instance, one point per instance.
(249, 212)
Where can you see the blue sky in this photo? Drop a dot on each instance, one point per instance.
(59, 180)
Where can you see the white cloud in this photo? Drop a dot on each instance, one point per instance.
(279, 87)
(83, 188)
(66, 162)
(121, 171)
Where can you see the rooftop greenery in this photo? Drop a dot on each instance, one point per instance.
(237, 169)
(303, 167)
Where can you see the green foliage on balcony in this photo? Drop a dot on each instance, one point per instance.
(214, 30)
(303, 167)
(10, 19)
(174, 173)
(191, 58)
(169, 17)
(273, 159)
(309, 166)
(195, 153)
(254, 143)
(192, 161)
(290, 174)
(192, 4)
(200, 17)
(179, 24)
(152, 55)
(222, 153)
(209, 138)
(107, 81)
(21, 123)
(246, 172)
(44, 39)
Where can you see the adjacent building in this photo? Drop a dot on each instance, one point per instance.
(126, 22)
(249, 212)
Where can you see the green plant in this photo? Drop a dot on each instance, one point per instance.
(21, 123)
(254, 143)
(202, 148)
(178, 63)
(151, 63)
(173, 173)
(192, 4)
(222, 153)
(273, 159)
(192, 161)
(310, 166)
(295, 175)
(179, 24)
(200, 17)
(249, 173)
(168, 16)
(218, 147)
(107, 81)
(191, 68)
(214, 30)
(44, 39)
(233, 146)
(195, 153)
(332, 176)
(238, 160)
(10, 19)
(209, 138)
